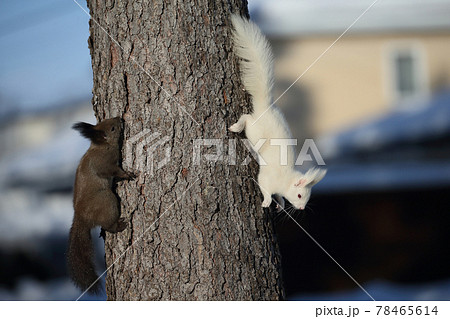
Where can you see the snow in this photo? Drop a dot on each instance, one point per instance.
(63, 289)
(386, 291)
(27, 215)
(60, 289)
(422, 121)
(47, 162)
(55, 160)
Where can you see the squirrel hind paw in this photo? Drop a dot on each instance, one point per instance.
(236, 128)
(279, 208)
(117, 227)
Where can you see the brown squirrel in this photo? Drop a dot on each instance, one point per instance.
(94, 202)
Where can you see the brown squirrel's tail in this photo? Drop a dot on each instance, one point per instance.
(80, 255)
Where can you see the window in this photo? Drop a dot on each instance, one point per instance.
(407, 74)
(405, 71)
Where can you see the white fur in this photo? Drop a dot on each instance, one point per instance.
(256, 72)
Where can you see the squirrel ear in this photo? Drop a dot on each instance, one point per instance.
(89, 131)
(300, 182)
(313, 176)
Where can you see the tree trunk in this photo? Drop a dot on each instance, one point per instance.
(196, 232)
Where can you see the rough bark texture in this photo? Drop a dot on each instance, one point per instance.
(196, 232)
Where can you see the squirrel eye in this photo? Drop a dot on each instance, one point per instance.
(112, 129)
(299, 196)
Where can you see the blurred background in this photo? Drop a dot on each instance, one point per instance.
(45, 86)
(377, 104)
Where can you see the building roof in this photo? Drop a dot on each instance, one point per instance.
(396, 151)
(304, 17)
(364, 177)
(407, 123)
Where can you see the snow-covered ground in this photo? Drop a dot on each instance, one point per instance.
(386, 291)
(26, 215)
(61, 289)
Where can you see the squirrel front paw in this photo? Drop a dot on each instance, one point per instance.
(130, 176)
(121, 224)
(266, 202)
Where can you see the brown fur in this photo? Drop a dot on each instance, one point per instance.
(94, 202)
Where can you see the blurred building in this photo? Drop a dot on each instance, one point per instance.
(395, 55)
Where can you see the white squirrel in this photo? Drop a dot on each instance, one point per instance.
(277, 178)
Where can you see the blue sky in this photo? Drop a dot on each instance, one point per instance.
(44, 56)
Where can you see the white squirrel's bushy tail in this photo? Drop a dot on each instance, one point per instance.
(256, 64)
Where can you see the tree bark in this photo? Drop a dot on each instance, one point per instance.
(196, 232)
